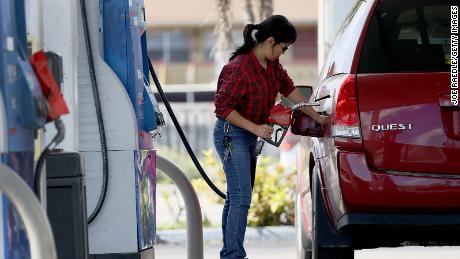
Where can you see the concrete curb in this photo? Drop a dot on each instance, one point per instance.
(212, 236)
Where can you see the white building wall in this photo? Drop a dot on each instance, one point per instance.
(331, 14)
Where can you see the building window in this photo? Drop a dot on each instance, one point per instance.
(209, 40)
(169, 46)
(306, 45)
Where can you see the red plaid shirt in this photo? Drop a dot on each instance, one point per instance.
(245, 86)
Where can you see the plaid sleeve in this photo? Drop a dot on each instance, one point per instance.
(231, 88)
(287, 85)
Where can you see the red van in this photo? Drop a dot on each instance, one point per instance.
(385, 171)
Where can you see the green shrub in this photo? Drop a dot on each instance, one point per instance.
(181, 159)
(273, 195)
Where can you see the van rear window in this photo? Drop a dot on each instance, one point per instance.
(408, 36)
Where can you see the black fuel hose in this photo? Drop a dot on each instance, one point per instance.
(60, 134)
(100, 122)
(181, 133)
(38, 171)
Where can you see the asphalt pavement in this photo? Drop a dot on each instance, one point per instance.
(279, 243)
(267, 251)
(287, 251)
(212, 236)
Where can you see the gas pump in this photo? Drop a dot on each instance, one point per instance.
(3, 130)
(125, 223)
(112, 125)
(22, 111)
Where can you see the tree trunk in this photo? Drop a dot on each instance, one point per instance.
(265, 8)
(248, 12)
(223, 32)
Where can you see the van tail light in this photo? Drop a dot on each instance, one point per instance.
(345, 120)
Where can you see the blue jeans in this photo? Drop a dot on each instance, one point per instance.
(236, 149)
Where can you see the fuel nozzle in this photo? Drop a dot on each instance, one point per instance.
(281, 118)
(259, 146)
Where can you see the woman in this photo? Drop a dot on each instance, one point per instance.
(246, 91)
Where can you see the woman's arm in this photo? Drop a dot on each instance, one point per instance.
(262, 131)
(294, 95)
(297, 97)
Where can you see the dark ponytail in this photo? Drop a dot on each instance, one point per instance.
(249, 42)
(276, 26)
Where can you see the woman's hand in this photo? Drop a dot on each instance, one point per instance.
(263, 131)
(322, 119)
